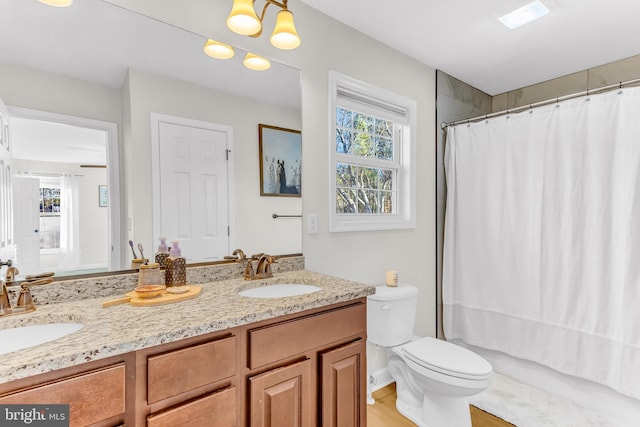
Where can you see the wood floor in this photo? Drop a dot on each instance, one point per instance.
(384, 413)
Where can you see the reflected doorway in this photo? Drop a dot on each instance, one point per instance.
(63, 218)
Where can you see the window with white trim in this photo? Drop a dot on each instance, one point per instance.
(372, 157)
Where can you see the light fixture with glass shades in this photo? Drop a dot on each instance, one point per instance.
(57, 3)
(218, 50)
(256, 62)
(243, 20)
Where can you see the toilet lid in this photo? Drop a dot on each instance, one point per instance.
(393, 293)
(447, 358)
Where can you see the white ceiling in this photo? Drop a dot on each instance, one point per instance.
(56, 142)
(465, 39)
(97, 42)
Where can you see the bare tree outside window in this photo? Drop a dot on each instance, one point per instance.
(366, 145)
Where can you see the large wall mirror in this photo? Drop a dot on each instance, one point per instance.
(82, 86)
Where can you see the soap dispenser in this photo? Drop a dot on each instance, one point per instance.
(163, 252)
(176, 267)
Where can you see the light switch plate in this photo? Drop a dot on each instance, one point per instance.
(312, 224)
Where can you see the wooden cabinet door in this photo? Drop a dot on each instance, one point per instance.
(282, 397)
(343, 386)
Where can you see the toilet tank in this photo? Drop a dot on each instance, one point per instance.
(391, 314)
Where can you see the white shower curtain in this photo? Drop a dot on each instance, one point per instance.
(542, 237)
(69, 236)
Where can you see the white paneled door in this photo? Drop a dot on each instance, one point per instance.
(26, 217)
(193, 169)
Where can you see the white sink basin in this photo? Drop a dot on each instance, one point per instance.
(279, 290)
(29, 336)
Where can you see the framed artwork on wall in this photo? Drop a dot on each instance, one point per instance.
(280, 161)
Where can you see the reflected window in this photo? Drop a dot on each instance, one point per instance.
(50, 215)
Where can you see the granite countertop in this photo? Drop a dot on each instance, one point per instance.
(124, 328)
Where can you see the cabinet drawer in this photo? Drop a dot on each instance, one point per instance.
(86, 391)
(178, 371)
(272, 343)
(214, 410)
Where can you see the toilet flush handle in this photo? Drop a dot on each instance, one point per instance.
(386, 307)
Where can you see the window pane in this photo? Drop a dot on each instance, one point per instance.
(345, 175)
(362, 145)
(386, 202)
(343, 141)
(55, 200)
(367, 201)
(386, 179)
(49, 218)
(384, 128)
(368, 178)
(344, 118)
(346, 201)
(49, 232)
(363, 122)
(384, 148)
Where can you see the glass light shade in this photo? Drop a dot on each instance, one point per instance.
(256, 63)
(57, 3)
(243, 19)
(284, 34)
(218, 50)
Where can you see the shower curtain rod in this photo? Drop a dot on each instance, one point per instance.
(541, 103)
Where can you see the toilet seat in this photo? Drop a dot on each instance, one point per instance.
(448, 359)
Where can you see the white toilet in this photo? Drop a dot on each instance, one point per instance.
(434, 378)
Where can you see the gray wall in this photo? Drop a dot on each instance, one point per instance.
(593, 78)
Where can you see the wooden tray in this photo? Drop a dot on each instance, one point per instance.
(165, 298)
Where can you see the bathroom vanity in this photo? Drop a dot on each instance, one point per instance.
(218, 360)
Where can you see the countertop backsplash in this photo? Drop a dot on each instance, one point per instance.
(118, 285)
